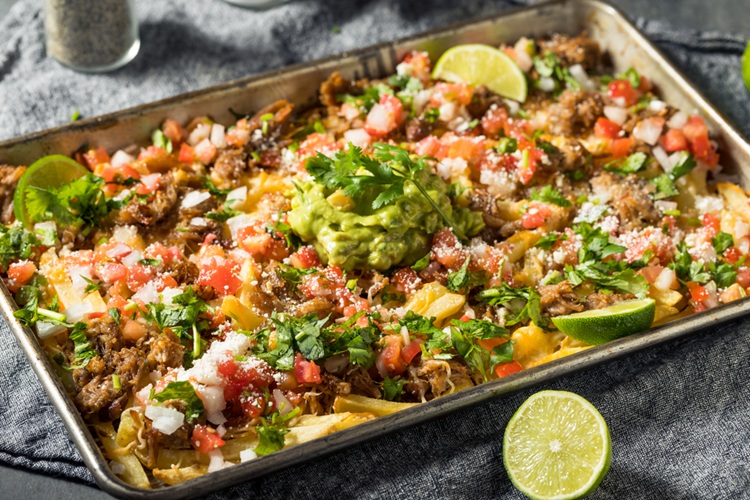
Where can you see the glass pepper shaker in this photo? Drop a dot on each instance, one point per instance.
(91, 35)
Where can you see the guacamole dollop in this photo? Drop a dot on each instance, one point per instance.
(351, 234)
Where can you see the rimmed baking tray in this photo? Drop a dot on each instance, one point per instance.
(299, 84)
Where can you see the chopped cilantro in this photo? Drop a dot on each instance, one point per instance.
(293, 275)
(548, 194)
(91, 286)
(279, 227)
(83, 349)
(462, 279)
(665, 183)
(548, 240)
(161, 141)
(393, 388)
(722, 241)
(184, 391)
(512, 298)
(506, 145)
(629, 165)
(422, 263)
(432, 114)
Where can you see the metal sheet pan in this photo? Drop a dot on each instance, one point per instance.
(299, 84)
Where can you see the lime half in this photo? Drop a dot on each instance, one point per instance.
(47, 172)
(557, 446)
(609, 323)
(482, 65)
(746, 66)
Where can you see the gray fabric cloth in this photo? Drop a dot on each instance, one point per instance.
(679, 414)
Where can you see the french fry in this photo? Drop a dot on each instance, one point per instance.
(177, 476)
(434, 300)
(127, 432)
(517, 244)
(533, 344)
(664, 314)
(231, 450)
(246, 317)
(361, 404)
(665, 297)
(735, 199)
(166, 457)
(58, 278)
(561, 353)
(134, 473)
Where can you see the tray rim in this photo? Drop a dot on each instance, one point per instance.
(81, 434)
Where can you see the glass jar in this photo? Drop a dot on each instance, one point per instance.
(91, 35)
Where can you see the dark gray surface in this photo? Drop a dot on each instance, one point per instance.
(721, 15)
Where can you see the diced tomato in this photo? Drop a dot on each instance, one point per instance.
(221, 274)
(20, 273)
(645, 84)
(674, 140)
(316, 143)
(165, 254)
(253, 405)
(743, 276)
(173, 131)
(505, 369)
(119, 174)
(138, 275)
(527, 168)
(385, 116)
(620, 148)
(405, 280)
(420, 65)
(133, 331)
(468, 148)
(94, 157)
(305, 258)
(151, 152)
(390, 355)
(651, 273)
(444, 92)
(490, 344)
(698, 293)
(187, 153)
(712, 224)
(447, 249)
(257, 241)
(109, 272)
(705, 151)
(205, 151)
(315, 285)
(695, 128)
(307, 372)
(206, 439)
(240, 377)
(429, 146)
(149, 184)
(732, 254)
(536, 215)
(494, 120)
(410, 351)
(623, 89)
(227, 368)
(606, 129)
(164, 281)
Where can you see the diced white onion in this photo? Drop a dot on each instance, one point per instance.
(46, 232)
(76, 312)
(199, 133)
(282, 403)
(132, 258)
(168, 294)
(165, 420)
(218, 138)
(743, 245)
(236, 223)
(421, 99)
(678, 120)
(657, 105)
(78, 277)
(448, 111)
(121, 158)
(237, 197)
(513, 106)
(523, 59)
(198, 222)
(713, 299)
(147, 293)
(616, 114)
(379, 118)
(213, 400)
(663, 158)
(125, 234)
(119, 250)
(405, 335)
(216, 460)
(247, 455)
(194, 198)
(122, 195)
(665, 279)
(44, 329)
(349, 112)
(580, 75)
(620, 101)
(151, 181)
(546, 84)
(358, 136)
(741, 229)
(221, 430)
(648, 131)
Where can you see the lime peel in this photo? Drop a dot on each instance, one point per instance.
(478, 64)
(746, 66)
(557, 446)
(598, 326)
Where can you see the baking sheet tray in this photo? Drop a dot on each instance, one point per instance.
(299, 84)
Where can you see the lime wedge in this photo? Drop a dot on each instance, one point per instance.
(557, 446)
(746, 66)
(609, 323)
(482, 65)
(49, 171)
